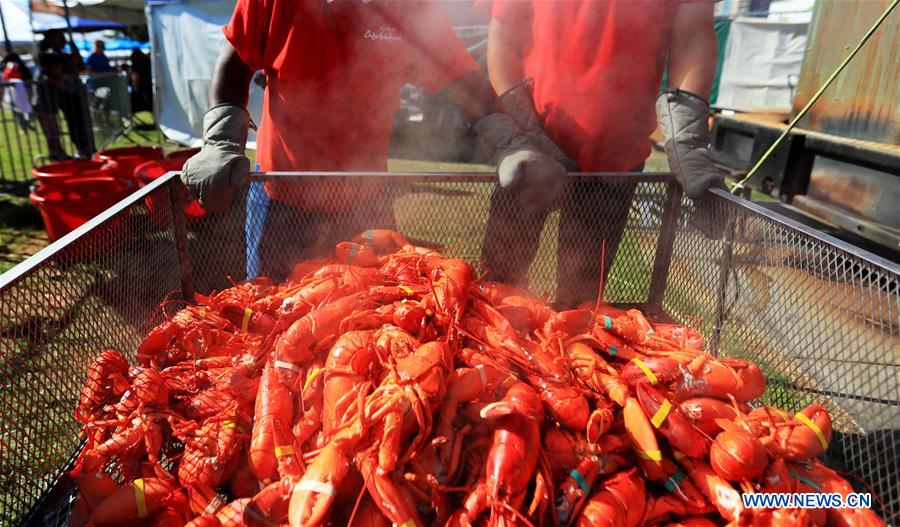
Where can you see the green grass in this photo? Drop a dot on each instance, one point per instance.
(21, 150)
(17, 244)
(21, 231)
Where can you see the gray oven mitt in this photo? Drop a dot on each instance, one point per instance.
(519, 103)
(221, 167)
(535, 177)
(683, 119)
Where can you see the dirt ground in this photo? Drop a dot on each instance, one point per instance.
(21, 231)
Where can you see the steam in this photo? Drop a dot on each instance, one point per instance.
(347, 110)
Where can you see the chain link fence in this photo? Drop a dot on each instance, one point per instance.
(42, 122)
(821, 318)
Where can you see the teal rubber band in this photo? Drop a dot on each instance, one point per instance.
(613, 350)
(352, 254)
(607, 322)
(650, 331)
(809, 482)
(580, 480)
(672, 483)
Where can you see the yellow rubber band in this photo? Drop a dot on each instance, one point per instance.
(509, 380)
(311, 377)
(815, 428)
(286, 450)
(646, 370)
(406, 289)
(408, 523)
(679, 455)
(660, 416)
(652, 455)
(246, 322)
(229, 424)
(139, 499)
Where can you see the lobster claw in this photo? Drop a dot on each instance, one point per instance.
(655, 370)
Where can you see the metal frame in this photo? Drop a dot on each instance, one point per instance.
(809, 231)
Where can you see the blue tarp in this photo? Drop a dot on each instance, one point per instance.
(44, 22)
(113, 44)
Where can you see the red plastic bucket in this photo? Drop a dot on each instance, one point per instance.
(158, 202)
(69, 204)
(49, 175)
(183, 155)
(130, 157)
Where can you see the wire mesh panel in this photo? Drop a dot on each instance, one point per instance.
(95, 292)
(446, 212)
(821, 320)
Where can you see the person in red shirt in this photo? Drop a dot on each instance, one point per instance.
(333, 70)
(581, 78)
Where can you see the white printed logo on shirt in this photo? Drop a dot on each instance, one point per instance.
(383, 34)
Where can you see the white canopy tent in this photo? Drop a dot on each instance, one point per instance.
(22, 24)
(129, 12)
(17, 21)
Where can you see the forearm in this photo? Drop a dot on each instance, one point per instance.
(472, 92)
(693, 49)
(474, 95)
(230, 83)
(504, 57)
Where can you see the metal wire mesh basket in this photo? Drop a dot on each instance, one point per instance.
(820, 317)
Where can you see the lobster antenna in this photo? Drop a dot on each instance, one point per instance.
(517, 514)
(359, 498)
(602, 273)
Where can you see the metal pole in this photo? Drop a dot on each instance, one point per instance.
(69, 28)
(664, 249)
(724, 270)
(154, 74)
(179, 227)
(34, 45)
(7, 43)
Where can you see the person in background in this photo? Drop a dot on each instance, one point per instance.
(97, 62)
(16, 74)
(141, 79)
(334, 72)
(582, 78)
(60, 88)
(100, 81)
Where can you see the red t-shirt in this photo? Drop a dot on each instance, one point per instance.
(334, 71)
(597, 69)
